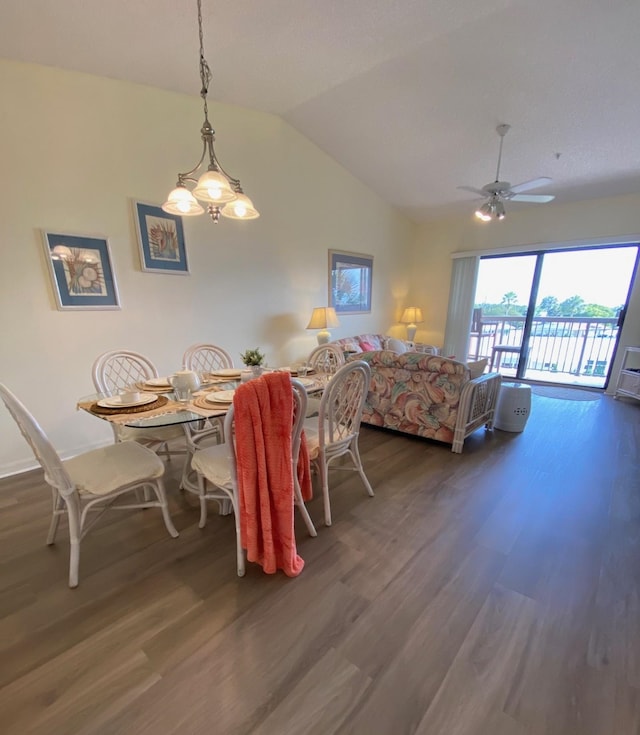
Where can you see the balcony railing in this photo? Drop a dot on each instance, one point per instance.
(579, 348)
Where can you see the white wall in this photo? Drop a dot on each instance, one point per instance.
(76, 150)
(618, 217)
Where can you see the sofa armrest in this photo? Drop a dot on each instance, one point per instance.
(477, 406)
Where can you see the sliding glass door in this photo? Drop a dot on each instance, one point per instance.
(553, 316)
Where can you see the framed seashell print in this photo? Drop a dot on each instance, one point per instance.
(161, 240)
(81, 271)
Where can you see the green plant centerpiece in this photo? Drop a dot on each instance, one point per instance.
(252, 358)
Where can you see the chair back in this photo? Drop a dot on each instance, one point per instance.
(54, 471)
(299, 411)
(342, 403)
(114, 371)
(206, 358)
(326, 359)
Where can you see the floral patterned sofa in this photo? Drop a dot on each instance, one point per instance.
(427, 395)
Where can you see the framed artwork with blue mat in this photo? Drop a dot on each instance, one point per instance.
(350, 281)
(81, 271)
(161, 240)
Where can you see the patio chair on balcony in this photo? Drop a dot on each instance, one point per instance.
(497, 353)
(600, 368)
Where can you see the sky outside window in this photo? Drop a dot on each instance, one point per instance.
(597, 276)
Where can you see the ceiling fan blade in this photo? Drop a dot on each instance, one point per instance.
(533, 184)
(474, 190)
(540, 198)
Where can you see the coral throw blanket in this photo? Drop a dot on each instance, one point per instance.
(263, 423)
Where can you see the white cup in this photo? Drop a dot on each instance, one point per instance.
(131, 396)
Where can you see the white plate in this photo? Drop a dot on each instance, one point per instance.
(158, 382)
(220, 396)
(117, 402)
(227, 373)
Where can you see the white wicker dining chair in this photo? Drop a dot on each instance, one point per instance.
(218, 477)
(91, 482)
(202, 358)
(326, 358)
(206, 358)
(116, 371)
(335, 432)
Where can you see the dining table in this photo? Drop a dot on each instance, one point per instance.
(156, 404)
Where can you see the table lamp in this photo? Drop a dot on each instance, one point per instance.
(323, 317)
(411, 316)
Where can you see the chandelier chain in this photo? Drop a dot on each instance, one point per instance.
(205, 71)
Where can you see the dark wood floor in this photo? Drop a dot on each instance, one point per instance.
(495, 592)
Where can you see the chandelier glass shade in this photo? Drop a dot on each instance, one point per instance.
(221, 193)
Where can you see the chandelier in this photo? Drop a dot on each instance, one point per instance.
(221, 193)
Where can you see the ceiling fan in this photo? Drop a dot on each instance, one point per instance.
(499, 191)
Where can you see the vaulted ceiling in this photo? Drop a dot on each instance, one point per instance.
(406, 95)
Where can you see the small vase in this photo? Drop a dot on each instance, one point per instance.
(257, 370)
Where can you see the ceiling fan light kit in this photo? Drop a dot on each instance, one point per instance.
(498, 192)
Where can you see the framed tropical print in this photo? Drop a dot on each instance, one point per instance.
(350, 277)
(81, 271)
(161, 240)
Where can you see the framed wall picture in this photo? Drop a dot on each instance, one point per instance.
(350, 279)
(81, 271)
(161, 240)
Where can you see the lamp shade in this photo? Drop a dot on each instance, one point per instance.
(214, 187)
(241, 208)
(412, 315)
(182, 202)
(483, 213)
(321, 318)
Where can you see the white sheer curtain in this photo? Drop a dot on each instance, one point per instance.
(460, 311)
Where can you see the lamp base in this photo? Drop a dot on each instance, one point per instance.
(411, 332)
(323, 336)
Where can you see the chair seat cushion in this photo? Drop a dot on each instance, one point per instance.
(213, 463)
(101, 471)
(312, 436)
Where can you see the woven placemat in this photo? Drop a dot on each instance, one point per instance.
(108, 411)
(154, 388)
(202, 402)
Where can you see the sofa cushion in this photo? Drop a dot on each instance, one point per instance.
(370, 342)
(395, 345)
(367, 346)
(416, 361)
(477, 368)
(415, 393)
(348, 344)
